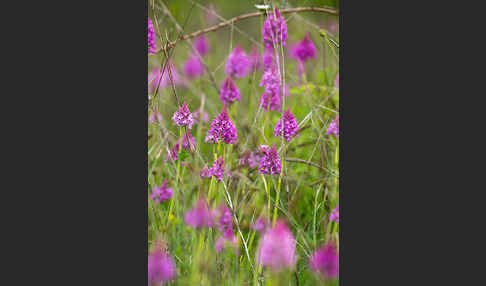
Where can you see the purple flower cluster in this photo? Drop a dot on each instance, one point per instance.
(188, 143)
(237, 64)
(277, 248)
(183, 117)
(217, 170)
(202, 113)
(155, 116)
(229, 92)
(251, 159)
(162, 193)
(325, 261)
(193, 67)
(161, 267)
(267, 59)
(255, 59)
(335, 214)
(290, 127)
(333, 127)
(201, 45)
(222, 129)
(274, 30)
(156, 76)
(152, 44)
(270, 162)
(271, 96)
(200, 215)
(303, 50)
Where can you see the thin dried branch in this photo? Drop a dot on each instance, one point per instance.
(245, 16)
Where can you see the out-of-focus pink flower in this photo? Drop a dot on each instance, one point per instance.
(325, 261)
(277, 248)
(193, 67)
(162, 193)
(255, 59)
(251, 159)
(274, 30)
(211, 17)
(303, 50)
(260, 224)
(333, 127)
(156, 76)
(290, 127)
(161, 267)
(335, 214)
(237, 64)
(229, 92)
(152, 44)
(155, 115)
(183, 117)
(336, 81)
(202, 113)
(201, 45)
(200, 215)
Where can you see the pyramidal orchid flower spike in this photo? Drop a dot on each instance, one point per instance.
(270, 100)
(183, 117)
(217, 170)
(161, 267)
(303, 50)
(237, 64)
(277, 248)
(290, 127)
(162, 193)
(229, 92)
(333, 127)
(325, 261)
(200, 215)
(274, 30)
(193, 67)
(222, 129)
(152, 44)
(270, 162)
(201, 45)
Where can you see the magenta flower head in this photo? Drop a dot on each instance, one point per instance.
(193, 67)
(336, 81)
(227, 239)
(333, 127)
(229, 92)
(162, 193)
(303, 50)
(270, 100)
(156, 76)
(267, 58)
(325, 261)
(255, 59)
(277, 248)
(274, 30)
(335, 214)
(202, 113)
(152, 44)
(224, 219)
(222, 129)
(290, 128)
(201, 45)
(270, 162)
(183, 117)
(161, 267)
(205, 172)
(155, 116)
(188, 142)
(217, 170)
(270, 79)
(238, 63)
(200, 215)
(251, 159)
(260, 224)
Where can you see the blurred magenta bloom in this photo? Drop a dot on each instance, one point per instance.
(183, 117)
(290, 128)
(267, 58)
(325, 261)
(335, 214)
(277, 248)
(205, 172)
(227, 239)
(270, 162)
(188, 142)
(200, 215)
(260, 224)
(270, 100)
(155, 115)
(161, 267)
(201, 45)
(224, 218)
(237, 64)
(255, 59)
(274, 30)
(156, 76)
(211, 17)
(162, 193)
(251, 159)
(303, 50)
(217, 170)
(229, 92)
(193, 67)
(270, 79)
(152, 44)
(202, 113)
(333, 127)
(336, 81)
(222, 129)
